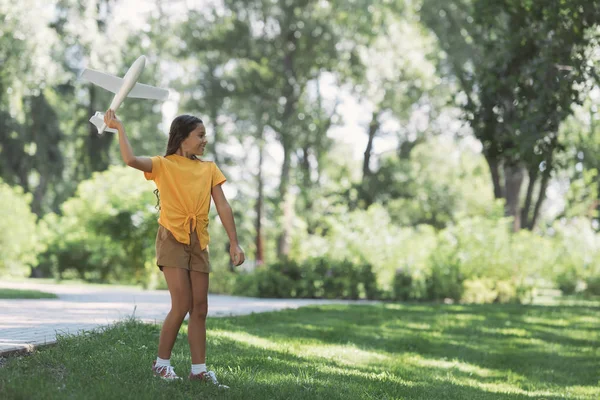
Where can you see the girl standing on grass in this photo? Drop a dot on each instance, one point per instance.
(185, 184)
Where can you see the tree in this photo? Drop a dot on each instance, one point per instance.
(29, 133)
(272, 52)
(399, 83)
(518, 68)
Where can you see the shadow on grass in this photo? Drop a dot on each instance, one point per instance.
(533, 342)
(282, 374)
(335, 352)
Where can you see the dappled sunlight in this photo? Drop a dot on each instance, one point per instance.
(595, 321)
(375, 376)
(417, 326)
(490, 380)
(463, 318)
(506, 331)
(546, 321)
(348, 354)
(499, 387)
(467, 368)
(245, 338)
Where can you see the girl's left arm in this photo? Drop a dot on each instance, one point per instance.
(226, 215)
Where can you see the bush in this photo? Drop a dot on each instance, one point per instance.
(368, 236)
(567, 281)
(479, 291)
(593, 285)
(408, 285)
(268, 283)
(577, 246)
(19, 238)
(507, 292)
(106, 232)
(445, 282)
(222, 282)
(315, 278)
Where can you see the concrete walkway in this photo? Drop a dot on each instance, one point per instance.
(25, 324)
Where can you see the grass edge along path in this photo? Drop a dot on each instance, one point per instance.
(12, 294)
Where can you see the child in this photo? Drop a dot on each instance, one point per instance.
(185, 184)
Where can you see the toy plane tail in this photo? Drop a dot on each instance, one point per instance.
(98, 120)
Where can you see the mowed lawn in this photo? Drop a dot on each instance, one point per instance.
(384, 351)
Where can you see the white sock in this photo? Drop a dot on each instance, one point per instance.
(198, 368)
(163, 363)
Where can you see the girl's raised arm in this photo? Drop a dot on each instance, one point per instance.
(141, 163)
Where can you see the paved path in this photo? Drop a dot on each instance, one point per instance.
(25, 324)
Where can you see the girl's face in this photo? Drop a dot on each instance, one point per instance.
(195, 142)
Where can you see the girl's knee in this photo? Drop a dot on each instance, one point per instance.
(199, 310)
(180, 310)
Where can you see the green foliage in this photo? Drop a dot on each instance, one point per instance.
(577, 248)
(368, 235)
(581, 161)
(445, 278)
(19, 240)
(314, 278)
(262, 74)
(479, 291)
(477, 252)
(593, 285)
(567, 280)
(518, 70)
(106, 232)
(221, 282)
(409, 285)
(268, 283)
(442, 181)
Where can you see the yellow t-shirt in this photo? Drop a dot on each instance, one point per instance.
(185, 188)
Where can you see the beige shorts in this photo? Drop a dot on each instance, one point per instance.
(171, 253)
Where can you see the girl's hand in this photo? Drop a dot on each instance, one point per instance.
(112, 121)
(237, 255)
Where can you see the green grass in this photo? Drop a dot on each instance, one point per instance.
(69, 282)
(25, 294)
(387, 351)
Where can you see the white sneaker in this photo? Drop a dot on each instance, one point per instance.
(207, 376)
(164, 372)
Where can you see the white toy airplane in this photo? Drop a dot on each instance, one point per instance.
(125, 87)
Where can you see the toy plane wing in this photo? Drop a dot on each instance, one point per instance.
(113, 84)
(141, 91)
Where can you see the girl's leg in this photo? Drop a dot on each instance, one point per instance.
(178, 282)
(197, 320)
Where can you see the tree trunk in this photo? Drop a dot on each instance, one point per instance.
(533, 175)
(495, 173)
(291, 96)
(283, 241)
(214, 114)
(540, 200)
(407, 147)
(513, 181)
(259, 205)
(373, 128)
(38, 196)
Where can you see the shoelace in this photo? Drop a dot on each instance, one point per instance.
(170, 371)
(213, 377)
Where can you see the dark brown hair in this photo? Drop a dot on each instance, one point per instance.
(181, 127)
